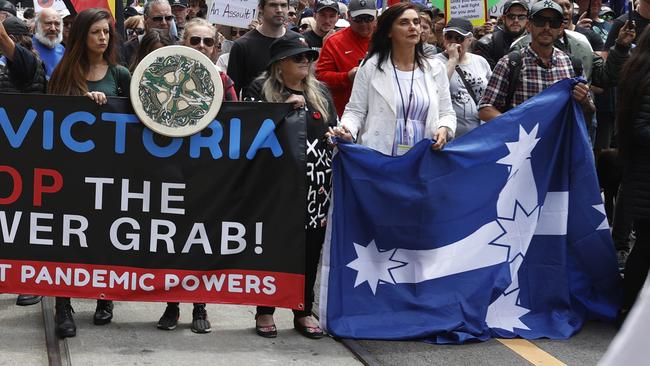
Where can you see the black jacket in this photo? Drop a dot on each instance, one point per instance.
(493, 46)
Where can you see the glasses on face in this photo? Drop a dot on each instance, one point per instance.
(554, 23)
(454, 37)
(159, 18)
(241, 32)
(207, 41)
(134, 31)
(292, 13)
(365, 18)
(300, 58)
(519, 17)
(304, 26)
(607, 17)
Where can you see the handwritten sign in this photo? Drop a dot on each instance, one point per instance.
(475, 11)
(237, 13)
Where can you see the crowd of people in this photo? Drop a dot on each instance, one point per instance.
(384, 78)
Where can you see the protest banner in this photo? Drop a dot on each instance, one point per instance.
(475, 11)
(95, 205)
(238, 13)
(502, 234)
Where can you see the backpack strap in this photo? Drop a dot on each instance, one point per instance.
(514, 63)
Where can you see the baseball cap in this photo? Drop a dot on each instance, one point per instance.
(182, 3)
(461, 26)
(546, 4)
(605, 10)
(130, 11)
(362, 7)
(289, 45)
(511, 3)
(8, 7)
(16, 27)
(326, 4)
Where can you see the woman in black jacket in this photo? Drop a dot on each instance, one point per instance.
(633, 121)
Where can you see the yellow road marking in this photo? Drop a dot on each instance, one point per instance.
(531, 352)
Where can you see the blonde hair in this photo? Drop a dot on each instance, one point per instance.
(133, 22)
(273, 90)
(197, 22)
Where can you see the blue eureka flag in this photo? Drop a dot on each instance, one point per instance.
(501, 234)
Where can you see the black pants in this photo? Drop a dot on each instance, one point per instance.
(176, 304)
(313, 246)
(638, 262)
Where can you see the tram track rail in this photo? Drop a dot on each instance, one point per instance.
(58, 352)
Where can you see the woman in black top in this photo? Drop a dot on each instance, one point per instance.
(289, 78)
(633, 122)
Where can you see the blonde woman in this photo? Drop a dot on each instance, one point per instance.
(289, 78)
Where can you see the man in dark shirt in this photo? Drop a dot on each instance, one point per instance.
(327, 14)
(641, 18)
(249, 54)
(495, 45)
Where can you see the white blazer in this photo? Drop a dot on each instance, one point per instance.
(371, 113)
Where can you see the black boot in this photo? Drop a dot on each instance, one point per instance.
(103, 312)
(65, 326)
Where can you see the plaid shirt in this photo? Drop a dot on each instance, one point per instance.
(533, 78)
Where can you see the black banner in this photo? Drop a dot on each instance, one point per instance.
(93, 204)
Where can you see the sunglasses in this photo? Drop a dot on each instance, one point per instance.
(453, 36)
(207, 41)
(300, 58)
(607, 17)
(520, 17)
(304, 26)
(158, 19)
(554, 23)
(133, 31)
(241, 32)
(292, 13)
(363, 19)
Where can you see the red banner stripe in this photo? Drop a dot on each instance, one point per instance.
(123, 283)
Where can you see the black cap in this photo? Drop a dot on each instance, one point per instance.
(130, 11)
(325, 4)
(511, 3)
(459, 25)
(307, 13)
(289, 45)
(16, 27)
(8, 7)
(182, 3)
(546, 4)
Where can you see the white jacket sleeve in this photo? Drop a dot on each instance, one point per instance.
(446, 114)
(356, 110)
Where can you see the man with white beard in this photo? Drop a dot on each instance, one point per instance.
(48, 35)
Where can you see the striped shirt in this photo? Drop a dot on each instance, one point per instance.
(410, 132)
(533, 78)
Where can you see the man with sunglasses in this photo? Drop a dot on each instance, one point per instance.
(544, 64)
(344, 50)
(327, 14)
(495, 45)
(157, 15)
(180, 11)
(250, 54)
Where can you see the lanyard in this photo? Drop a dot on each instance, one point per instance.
(408, 108)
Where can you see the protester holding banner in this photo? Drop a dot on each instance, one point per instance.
(468, 74)
(289, 79)
(399, 95)
(633, 122)
(89, 67)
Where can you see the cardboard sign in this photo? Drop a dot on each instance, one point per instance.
(239, 13)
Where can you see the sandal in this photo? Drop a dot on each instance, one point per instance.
(267, 331)
(309, 332)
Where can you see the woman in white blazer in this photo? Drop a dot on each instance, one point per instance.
(395, 80)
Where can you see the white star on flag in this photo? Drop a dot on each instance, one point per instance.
(520, 150)
(373, 265)
(603, 225)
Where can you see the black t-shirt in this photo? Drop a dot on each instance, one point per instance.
(313, 40)
(639, 21)
(249, 57)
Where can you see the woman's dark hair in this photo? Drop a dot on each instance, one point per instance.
(634, 82)
(148, 41)
(381, 44)
(69, 77)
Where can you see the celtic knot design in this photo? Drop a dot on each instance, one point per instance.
(176, 91)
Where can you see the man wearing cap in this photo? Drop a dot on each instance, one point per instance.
(344, 50)
(327, 14)
(544, 64)
(249, 54)
(495, 45)
(180, 10)
(48, 35)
